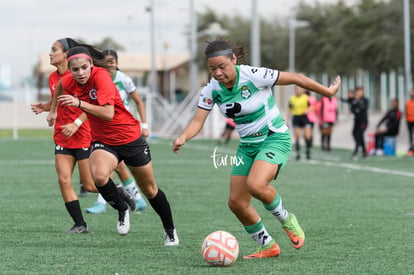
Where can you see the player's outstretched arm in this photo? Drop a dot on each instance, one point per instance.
(287, 78)
(39, 108)
(192, 129)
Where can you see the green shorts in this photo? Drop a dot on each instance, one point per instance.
(275, 149)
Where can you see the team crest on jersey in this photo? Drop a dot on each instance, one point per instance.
(92, 94)
(207, 100)
(245, 93)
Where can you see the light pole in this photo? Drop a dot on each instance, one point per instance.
(154, 88)
(193, 49)
(255, 36)
(407, 46)
(293, 25)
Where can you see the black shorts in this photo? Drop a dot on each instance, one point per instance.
(78, 153)
(326, 125)
(301, 121)
(136, 153)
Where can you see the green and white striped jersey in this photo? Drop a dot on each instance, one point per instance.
(125, 86)
(250, 103)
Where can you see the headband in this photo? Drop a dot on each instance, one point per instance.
(84, 55)
(220, 53)
(64, 43)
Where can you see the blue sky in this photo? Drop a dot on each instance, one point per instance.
(29, 27)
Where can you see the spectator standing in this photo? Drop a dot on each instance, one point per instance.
(359, 108)
(409, 118)
(328, 114)
(312, 112)
(298, 108)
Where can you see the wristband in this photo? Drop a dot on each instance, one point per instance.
(79, 105)
(78, 121)
(144, 125)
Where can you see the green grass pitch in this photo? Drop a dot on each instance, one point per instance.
(358, 216)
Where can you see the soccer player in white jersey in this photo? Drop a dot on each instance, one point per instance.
(244, 93)
(127, 91)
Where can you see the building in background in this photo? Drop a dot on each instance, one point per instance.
(172, 73)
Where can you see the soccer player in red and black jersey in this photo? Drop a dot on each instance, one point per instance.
(72, 139)
(116, 136)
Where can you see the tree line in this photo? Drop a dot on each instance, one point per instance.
(339, 38)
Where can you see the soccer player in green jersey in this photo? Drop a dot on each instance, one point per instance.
(244, 93)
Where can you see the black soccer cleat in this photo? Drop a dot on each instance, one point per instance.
(126, 197)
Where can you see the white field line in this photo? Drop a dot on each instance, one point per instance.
(229, 151)
(362, 168)
(28, 162)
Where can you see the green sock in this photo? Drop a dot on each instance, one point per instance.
(128, 181)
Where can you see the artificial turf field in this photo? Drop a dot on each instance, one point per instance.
(358, 216)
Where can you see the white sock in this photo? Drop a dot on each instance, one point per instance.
(132, 189)
(277, 209)
(259, 233)
(100, 199)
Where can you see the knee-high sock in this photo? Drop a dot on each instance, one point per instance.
(75, 212)
(259, 233)
(161, 205)
(277, 209)
(110, 193)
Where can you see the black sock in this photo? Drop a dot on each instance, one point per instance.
(75, 212)
(110, 193)
(297, 146)
(163, 209)
(308, 143)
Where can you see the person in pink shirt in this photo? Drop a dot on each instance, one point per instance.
(312, 111)
(328, 114)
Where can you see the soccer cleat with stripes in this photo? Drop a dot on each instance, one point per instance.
(294, 231)
(270, 250)
(77, 229)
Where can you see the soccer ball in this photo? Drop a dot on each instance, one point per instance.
(220, 248)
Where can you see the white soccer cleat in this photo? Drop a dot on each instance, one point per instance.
(171, 238)
(123, 223)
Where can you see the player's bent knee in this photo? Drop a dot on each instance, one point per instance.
(100, 179)
(236, 206)
(149, 190)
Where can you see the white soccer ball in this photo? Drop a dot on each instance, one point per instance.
(220, 248)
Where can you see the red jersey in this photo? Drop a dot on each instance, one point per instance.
(66, 115)
(100, 90)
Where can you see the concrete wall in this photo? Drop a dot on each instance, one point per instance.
(341, 138)
(20, 115)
